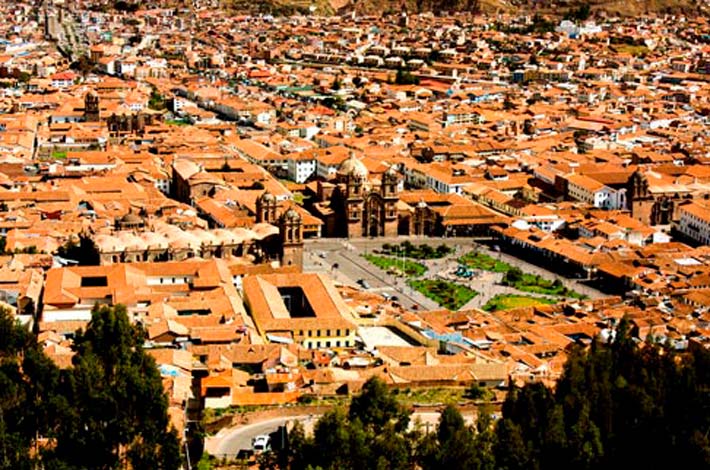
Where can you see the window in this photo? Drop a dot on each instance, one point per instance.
(327, 332)
(337, 332)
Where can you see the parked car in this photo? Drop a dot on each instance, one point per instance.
(261, 443)
(363, 283)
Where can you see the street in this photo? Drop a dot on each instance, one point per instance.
(227, 442)
(230, 441)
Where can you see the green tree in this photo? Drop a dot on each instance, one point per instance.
(376, 406)
(404, 77)
(331, 437)
(119, 410)
(84, 252)
(337, 84)
(156, 101)
(512, 276)
(450, 423)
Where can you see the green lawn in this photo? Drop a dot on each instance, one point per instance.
(507, 302)
(429, 396)
(395, 265)
(59, 155)
(447, 294)
(539, 285)
(482, 261)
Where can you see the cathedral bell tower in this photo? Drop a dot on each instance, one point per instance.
(266, 208)
(91, 107)
(291, 235)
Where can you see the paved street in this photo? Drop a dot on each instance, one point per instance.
(322, 254)
(227, 442)
(230, 441)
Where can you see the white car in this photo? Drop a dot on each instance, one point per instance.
(261, 443)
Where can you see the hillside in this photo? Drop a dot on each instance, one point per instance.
(378, 7)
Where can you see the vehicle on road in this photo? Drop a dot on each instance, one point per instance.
(363, 283)
(261, 443)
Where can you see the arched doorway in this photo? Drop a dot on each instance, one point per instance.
(373, 220)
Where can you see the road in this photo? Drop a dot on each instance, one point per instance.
(228, 442)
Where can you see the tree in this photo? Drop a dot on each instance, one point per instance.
(612, 404)
(331, 436)
(85, 252)
(442, 250)
(337, 85)
(512, 276)
(376, 407)
(405, 77)
(156, 101)
(450, 423)
(475, 392)
(508, 103)
(119, 411)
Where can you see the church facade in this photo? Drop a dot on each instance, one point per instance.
(364, 206)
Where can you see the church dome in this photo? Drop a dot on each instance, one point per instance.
(130, 219)
(353, 166)
(292, 215)
(267, 197)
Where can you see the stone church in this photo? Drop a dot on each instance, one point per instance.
(364, 206)
(290, 223)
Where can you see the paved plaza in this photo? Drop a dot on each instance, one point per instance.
(343, 260)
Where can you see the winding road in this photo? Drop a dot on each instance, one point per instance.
(229, 441)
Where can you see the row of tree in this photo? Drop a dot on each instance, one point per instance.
(615, 406)
(107, 411)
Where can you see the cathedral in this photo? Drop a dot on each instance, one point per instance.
(657, 205)
(364, 206)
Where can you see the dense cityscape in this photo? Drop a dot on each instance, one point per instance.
(298, 239)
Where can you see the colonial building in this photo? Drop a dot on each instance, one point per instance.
(290, 224)
(362, 206)
(654, 202)
(302, 308)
